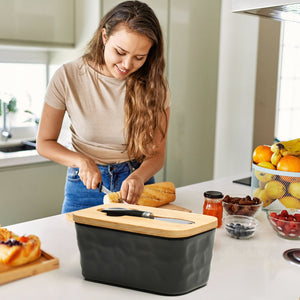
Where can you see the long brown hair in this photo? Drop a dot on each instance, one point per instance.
(146, 88)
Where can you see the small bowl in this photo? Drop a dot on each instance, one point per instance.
(234, 206)
(285, 226)
(240, 227)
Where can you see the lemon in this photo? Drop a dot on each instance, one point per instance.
(275, 189)
(290, 202)
(256, 192)
(294, 189)
(265, 198)
(264, 177)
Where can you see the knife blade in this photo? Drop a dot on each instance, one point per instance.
(120, 211)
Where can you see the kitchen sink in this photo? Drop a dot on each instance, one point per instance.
(22, 139)
(24, 146)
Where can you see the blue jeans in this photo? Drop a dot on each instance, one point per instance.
(77, 196)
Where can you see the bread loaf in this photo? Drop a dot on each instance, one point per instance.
(155, 195)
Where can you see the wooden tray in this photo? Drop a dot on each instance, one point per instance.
(45, 263)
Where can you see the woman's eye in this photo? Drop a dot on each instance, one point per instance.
(140, 58)
(119, 53)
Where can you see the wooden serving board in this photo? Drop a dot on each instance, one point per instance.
(45, 263)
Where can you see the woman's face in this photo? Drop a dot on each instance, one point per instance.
(125, 52)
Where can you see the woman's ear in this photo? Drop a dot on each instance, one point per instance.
(104, 36)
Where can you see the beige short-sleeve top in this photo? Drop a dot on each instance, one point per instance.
(94, 103)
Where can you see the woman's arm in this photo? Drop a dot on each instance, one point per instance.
(133, 186)
(47, 146)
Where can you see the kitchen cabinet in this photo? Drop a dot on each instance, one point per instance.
(31, 192)
(37, 22)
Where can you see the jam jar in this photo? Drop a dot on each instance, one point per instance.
(213, 205)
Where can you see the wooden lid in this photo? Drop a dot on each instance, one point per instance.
(95, 217)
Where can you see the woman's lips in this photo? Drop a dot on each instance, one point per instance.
(122, 71)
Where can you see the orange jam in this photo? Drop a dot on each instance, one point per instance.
(213, 205)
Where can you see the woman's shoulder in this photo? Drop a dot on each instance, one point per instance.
(71, 69)
(76, 65)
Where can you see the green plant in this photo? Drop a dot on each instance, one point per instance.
(33, 118)
(11, 105)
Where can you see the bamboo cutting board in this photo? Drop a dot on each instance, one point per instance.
(94, 217)
(165, 206)
(45, 263)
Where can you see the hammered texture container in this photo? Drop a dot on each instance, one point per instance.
(162, 265)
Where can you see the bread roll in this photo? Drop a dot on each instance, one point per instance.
(155, 195)
(20, 253)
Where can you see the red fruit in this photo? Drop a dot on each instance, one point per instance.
(284, 213)
(281, 222)
(297, 216)
(291, 228)
(274, 215)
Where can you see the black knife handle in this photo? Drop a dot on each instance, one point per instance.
(119, 211)
(100, 184)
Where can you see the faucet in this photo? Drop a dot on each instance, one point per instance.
(5, 133)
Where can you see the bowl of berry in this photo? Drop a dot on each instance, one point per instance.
(286, 222)
(240, 227)
(243, 206)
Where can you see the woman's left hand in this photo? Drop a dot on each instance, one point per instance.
(132, 188)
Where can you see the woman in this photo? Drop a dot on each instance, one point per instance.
(116, 97)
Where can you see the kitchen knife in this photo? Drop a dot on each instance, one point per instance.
(114, 197)
(103, 189)
(120, 211)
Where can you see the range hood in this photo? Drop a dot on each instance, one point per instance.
(278, 10)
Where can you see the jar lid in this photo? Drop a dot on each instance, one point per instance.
(213, 194)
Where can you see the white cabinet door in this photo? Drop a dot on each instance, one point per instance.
(28, 22)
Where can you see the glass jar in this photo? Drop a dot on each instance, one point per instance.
(213, 205)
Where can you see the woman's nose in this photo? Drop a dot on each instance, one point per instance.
(127, 63)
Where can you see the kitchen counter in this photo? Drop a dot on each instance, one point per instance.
(240, 269)
(11, 159)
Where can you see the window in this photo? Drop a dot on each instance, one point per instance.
(23, 76)
(288, 102)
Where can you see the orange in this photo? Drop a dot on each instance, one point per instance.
(262, 153)
(289, 163)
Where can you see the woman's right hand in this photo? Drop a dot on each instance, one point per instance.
(89, 173)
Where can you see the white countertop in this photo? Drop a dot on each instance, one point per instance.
(11, 159)
(241, 269)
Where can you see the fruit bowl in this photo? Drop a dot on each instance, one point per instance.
(286, 222)
(240, 227)
(276, 189)
(242, 206)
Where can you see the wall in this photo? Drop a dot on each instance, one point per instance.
(266, 82)
(236, 92)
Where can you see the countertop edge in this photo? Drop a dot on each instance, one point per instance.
(20, 158)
